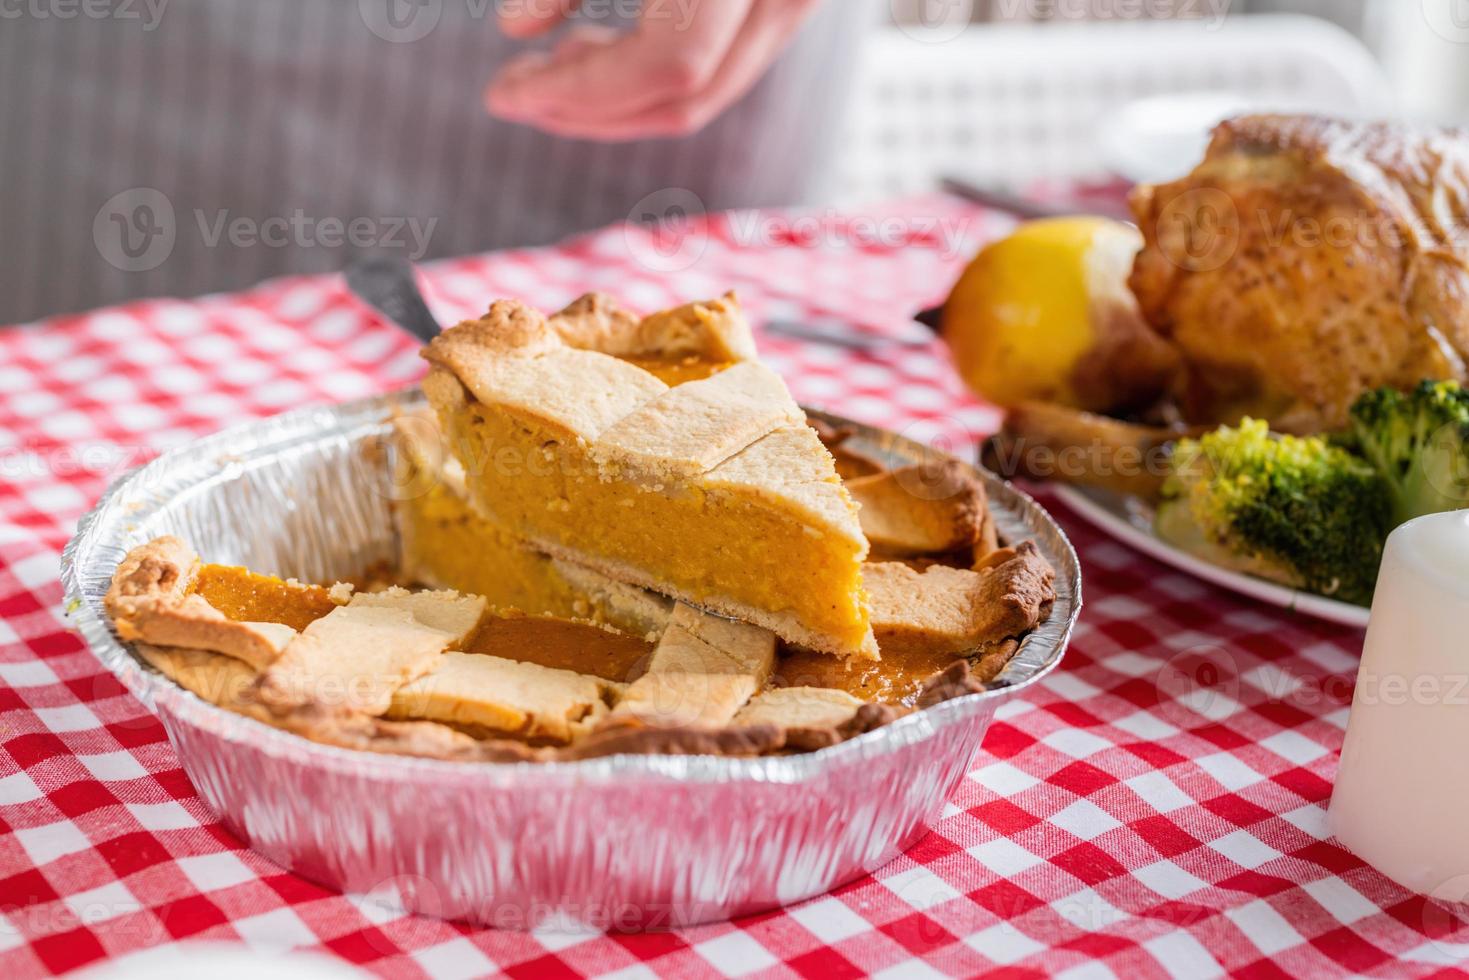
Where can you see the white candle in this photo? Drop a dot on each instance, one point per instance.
(1402, 793)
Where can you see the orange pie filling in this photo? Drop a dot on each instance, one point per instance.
(247, 596)
(523, 478)
(447, 546)
(676, 371)
(535, 678)
(562, 645)
(462, 551)
(898, 678)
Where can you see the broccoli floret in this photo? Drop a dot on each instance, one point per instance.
(1417, 440)
(1299, 511)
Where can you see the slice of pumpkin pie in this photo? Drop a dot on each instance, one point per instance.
(711, 490)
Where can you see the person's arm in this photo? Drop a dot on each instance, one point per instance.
(683, 65)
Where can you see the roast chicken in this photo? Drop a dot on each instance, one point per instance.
(1305, 261)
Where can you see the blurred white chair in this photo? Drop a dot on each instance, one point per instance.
(1009, 104)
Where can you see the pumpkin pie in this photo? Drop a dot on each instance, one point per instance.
(526, 639)
(673, 463)
(940, 588)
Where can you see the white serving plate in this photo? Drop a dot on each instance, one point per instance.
(1130, 520)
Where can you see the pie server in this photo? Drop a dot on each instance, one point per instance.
(387, 284)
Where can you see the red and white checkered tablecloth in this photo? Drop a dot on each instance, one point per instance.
(1155, 807)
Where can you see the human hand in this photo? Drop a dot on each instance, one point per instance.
(682, 66)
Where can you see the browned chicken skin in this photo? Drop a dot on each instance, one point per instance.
(1305, 261)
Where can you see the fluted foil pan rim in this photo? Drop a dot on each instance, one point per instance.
(107, 531)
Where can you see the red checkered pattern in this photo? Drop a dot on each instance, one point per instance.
(1155, 807)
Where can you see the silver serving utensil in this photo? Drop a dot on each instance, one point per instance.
(841, 336)
(1009, 202)
(386, 283)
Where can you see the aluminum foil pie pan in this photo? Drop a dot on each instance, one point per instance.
(625, 842)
